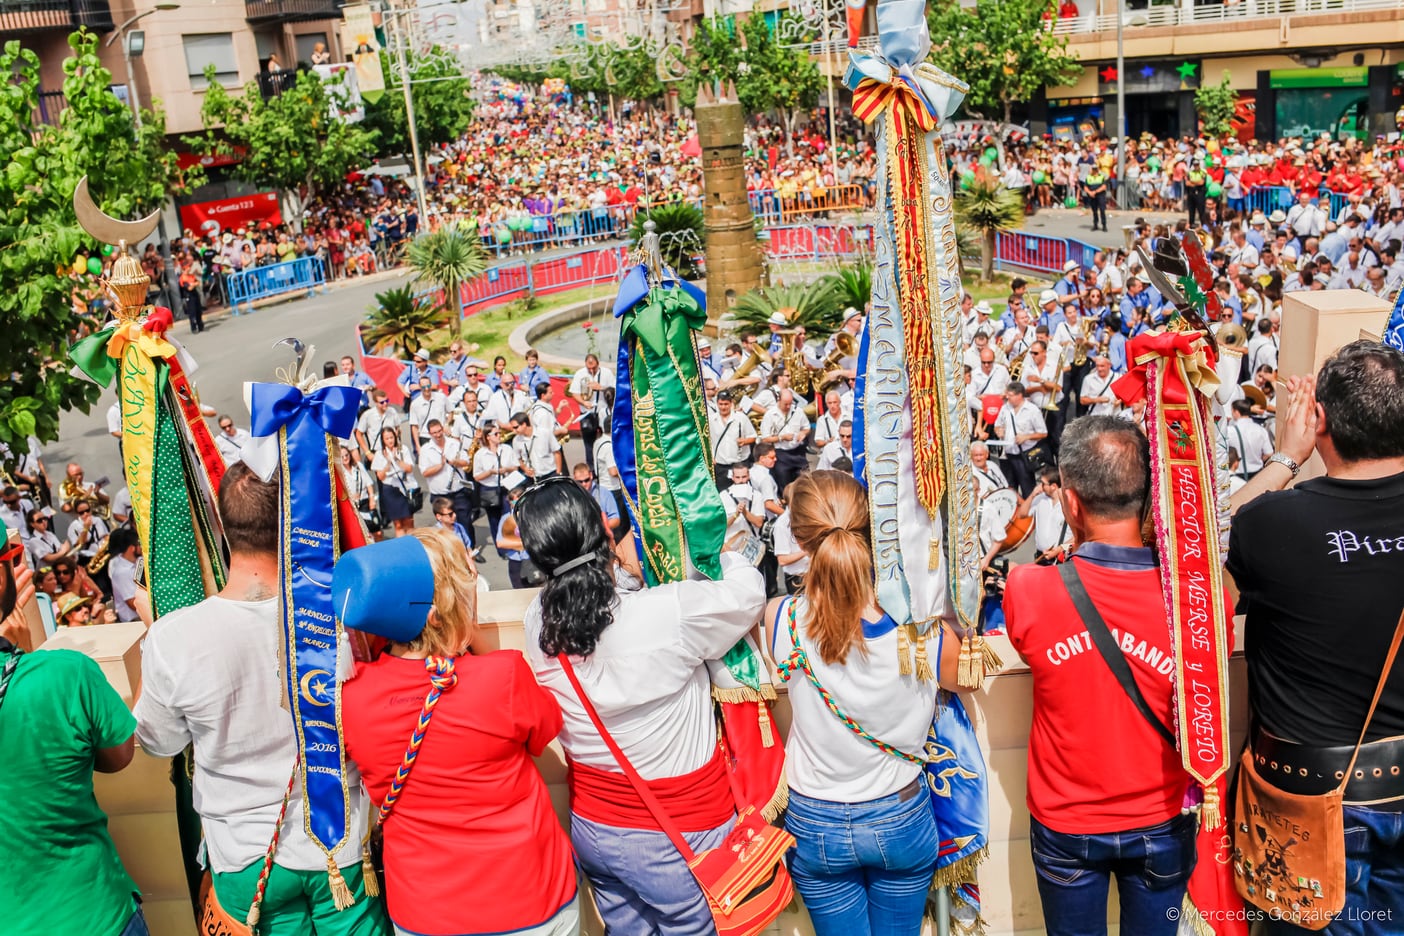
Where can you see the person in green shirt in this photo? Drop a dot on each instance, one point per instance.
(59, 722)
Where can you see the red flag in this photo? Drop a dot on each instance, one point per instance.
(1211, 888)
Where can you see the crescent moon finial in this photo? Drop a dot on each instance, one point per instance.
(105, 228)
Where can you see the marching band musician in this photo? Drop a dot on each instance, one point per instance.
(842, 447)
(786, 427)
(1017, 337)
(979, 321)
(988, 477)
(467, 419)
(1045, 505)
(473, 385)
(827, 425)
(744, 506)
(443, 460)
(74, 488)
(1020, 424)
(506, 401)
(980, 342)
(989, 379)
(539, 452)
(370, 428)
(496, 470)
(1096, 395)
(87, 532)
(588, 386)
(542, 416)
(430, 405)
(732, 436)
(1041, 376)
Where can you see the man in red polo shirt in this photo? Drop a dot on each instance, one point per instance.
(1105, 788)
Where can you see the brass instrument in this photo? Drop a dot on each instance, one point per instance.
(792, 359)
(756, 358)
(1104, 346)
(70, 491)
(1016, 367)
(1084, 341)
(1052, 404)
(99, 560)
(845, 346)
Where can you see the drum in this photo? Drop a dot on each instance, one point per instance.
(997, 521)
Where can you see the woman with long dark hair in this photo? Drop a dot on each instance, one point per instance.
(394, 466)
(867, 841)
(640, 659)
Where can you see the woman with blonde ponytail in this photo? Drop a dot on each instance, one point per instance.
(862, 818)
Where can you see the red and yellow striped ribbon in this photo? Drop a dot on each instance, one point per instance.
(907, 121)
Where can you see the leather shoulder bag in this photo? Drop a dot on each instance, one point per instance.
(744, 879)
(1289, 848)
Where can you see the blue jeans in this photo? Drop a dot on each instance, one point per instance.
(1374, 847)
(863, 868)
(1152, 868)
(136, 925)
(642, 885)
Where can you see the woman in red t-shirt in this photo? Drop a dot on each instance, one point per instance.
(472, 844)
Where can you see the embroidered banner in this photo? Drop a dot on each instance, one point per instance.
(307, 425)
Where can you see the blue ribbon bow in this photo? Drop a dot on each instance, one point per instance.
(273, 406)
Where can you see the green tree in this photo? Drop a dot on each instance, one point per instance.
(1216, 105)
(291, 142)
(769, 76)
(129, 175)
(1002, 50)
(635, 73)
(443, 106)
(448, 258)
(400, 322)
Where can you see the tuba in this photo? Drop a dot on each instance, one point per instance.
(792, 359)
(845, 346)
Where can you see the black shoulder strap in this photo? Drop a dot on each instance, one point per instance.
(1106, 646)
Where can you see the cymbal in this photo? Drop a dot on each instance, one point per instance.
(1254, 393)
(1232, 336)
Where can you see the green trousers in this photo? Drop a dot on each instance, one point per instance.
(299, 903)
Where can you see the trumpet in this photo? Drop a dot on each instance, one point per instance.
(1052, 404)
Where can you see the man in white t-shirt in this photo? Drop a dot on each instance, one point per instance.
(1045, 505)
(230, 440)
(732, 436)
(379, 416)
(540, 452)
(443, 460)
(841, 447)
(196, 663)
(1250, 440)
(125, 549)
(588, 386)
(1096, 393)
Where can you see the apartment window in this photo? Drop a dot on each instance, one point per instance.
(215, 49)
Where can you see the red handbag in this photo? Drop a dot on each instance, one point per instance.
(744, 879)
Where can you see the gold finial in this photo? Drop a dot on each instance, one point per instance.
(127, 286)
(128, 283)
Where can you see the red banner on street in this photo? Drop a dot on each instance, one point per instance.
(229, 214)
(210, 160)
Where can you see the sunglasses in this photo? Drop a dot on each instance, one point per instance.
(83, 513)
(446, 513)
(226, 426)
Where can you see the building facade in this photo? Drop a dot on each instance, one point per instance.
(1301, 67)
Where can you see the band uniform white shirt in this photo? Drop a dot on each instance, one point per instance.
(1253, 443)
(1026, 419)
(989, 478)
(1262, 350)
(606, 472)
(1050, 529)
(490, 461)
(482, 391)
(1049, 372)
(726, 435)
(231, 448)
(540, 452)
(826, 430)
(776, 423)
(501, 407)
(764, 484)
(450, 478)
(1095, 386)
(543, 418)
(373, 422)
(98, 532)
(465, 426)
(578, 387)
(733, 499)
(425, 408)
(395, 475)
(832, 453)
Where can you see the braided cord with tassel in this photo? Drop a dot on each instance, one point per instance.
(252, 919)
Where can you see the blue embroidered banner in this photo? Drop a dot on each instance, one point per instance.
(1394, 328)
(308, 548)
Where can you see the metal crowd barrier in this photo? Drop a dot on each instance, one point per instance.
(260, 282)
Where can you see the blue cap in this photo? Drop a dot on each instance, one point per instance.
(385, 588)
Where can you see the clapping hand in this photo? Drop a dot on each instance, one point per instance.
(1296, 426)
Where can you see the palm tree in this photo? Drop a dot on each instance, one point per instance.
(400, 320)
(448, 258)
(855, 284)
(681, 235)
(817, 306)
(986, 206)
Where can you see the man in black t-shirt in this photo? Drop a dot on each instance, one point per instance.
(1321, 572)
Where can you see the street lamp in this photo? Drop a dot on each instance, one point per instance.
(133, 44)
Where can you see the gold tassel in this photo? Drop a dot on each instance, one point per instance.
(904, 652)
(933, 556)
(342, 897)
(923, 665)
(1191, 918)
(368, 875)
(965, 665)
(993, 664)
(735, 694)
(961, 872)
(772, 810)
(1212, 814)
(766, 732)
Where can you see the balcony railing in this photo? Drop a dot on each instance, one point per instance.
(275, 83)
(1169, 14)
(18, 17)
(290, 11)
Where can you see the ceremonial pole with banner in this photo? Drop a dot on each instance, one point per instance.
(1176, 370)
(912, 426)
(659, 435)
(169, 459)
(296, 425)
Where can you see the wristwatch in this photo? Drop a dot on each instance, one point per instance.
(1287, 462)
